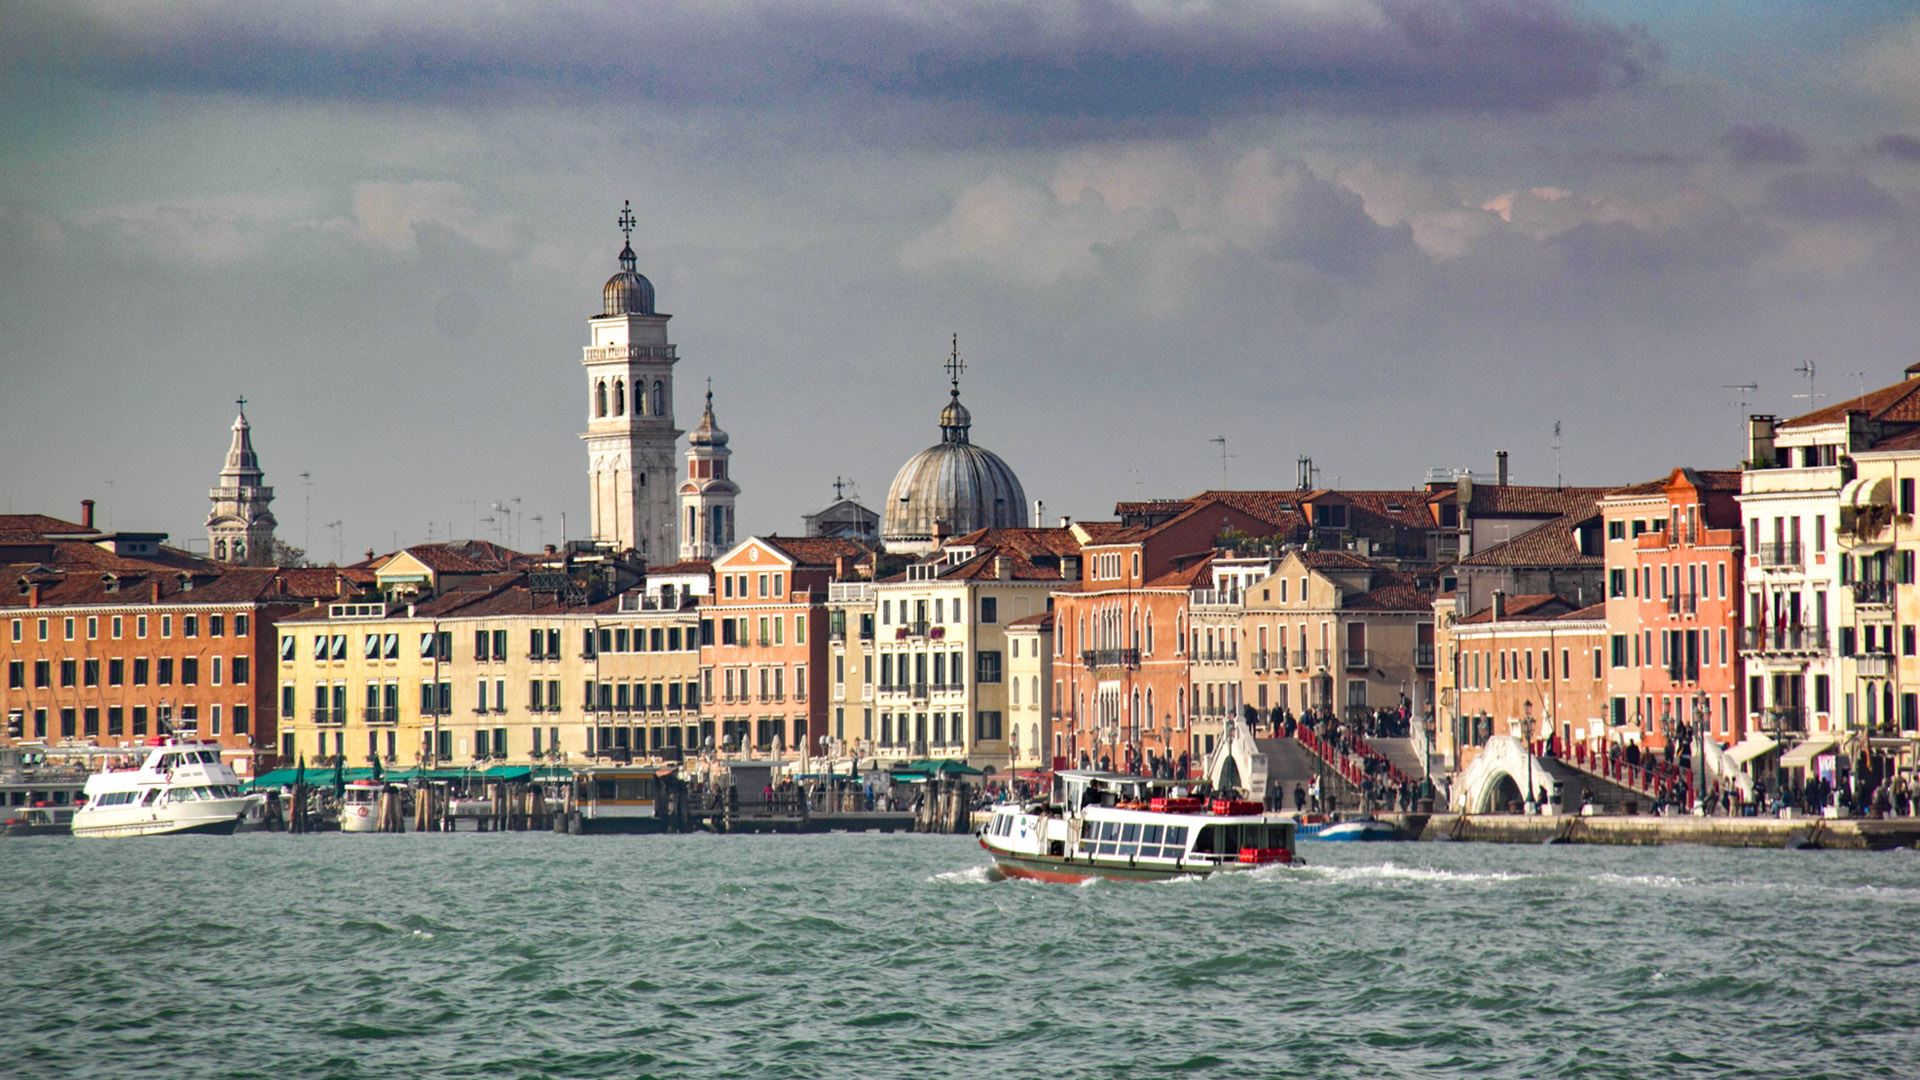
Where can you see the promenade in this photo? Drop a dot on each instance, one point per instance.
(1855, 834)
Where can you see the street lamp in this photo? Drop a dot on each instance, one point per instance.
(1697, 730)
(1526, 736)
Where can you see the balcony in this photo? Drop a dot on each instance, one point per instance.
(1299, 659)
(919, 691)
(1227, 599)
(1111, 658)
(837, 634)
(1783, 639)
(1873, 665)
(1322, 658)
(330, 716)
(1780, 554)
(1784, 719)
(1683, 604)
(1358, 659)
(1265, 661)
(1873, 593)
(917, 628)
(1423, 656)
(380, 716)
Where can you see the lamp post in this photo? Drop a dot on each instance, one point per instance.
(1697, 730)
(1526, 736)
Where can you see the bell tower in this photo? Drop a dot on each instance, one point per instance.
(707, 492)
(630, 434)
(240, 527)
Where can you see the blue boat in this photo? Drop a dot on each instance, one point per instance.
(1356, 830)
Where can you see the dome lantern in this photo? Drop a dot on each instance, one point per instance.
(952, 487)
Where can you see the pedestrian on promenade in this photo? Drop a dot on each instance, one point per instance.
(1299, 797)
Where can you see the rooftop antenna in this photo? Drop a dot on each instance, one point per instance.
(540, 523)
(1807, 368)
(306, 487)
(1746, 392)
(339, 544)
(1221, 442)
(1556, 455)
(1862, 377)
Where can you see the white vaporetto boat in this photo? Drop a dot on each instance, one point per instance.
(1131, 828)
(360, 806)
(181, 787)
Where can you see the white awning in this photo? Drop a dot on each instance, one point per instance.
(1802, 756)
(1751, 747)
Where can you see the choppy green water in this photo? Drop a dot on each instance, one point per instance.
(896, 956)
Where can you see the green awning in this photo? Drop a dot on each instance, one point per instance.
(942, 767)
(507, 773)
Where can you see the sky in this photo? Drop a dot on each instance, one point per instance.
(1393, 236)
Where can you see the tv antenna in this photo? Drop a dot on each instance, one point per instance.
(1221, 442)
(1556, 454)
(1807, 368)
(306, 483)
(339, 543)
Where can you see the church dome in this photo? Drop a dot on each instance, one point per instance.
(955, 485)
(627, 293)
(708, 433)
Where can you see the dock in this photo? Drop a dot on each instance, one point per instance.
(1843, 834)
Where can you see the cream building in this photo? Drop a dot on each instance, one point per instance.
(1030, 704)
(943, 689)
(1338, 632)
(851, 617)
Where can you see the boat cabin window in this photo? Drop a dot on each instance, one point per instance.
(152, 794)
(1229, 839)
(609, 788)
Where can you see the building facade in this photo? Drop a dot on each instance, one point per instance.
(707, 492)
(240, 526)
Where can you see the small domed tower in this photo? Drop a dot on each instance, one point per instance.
(630, 434)
(707, 493)
(952, 487)
(240, 527)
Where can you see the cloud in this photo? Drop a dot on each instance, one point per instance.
(1830, 196)
(1076, 66)
(1898, 147)
(391, 215)
(1757, 147)
(209, 231)
(1161, 205)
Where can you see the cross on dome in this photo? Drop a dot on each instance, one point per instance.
(626, 222)
(955, 366)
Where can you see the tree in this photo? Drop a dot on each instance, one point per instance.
(285, 554)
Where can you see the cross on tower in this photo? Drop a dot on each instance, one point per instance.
(242, 402)
(840, 487)
(954, 365)
(626, 221)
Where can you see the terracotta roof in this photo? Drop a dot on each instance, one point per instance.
(1525, 500)
(1337, 560)
(1906, 440)
(817, 550)
(231, 585)
(686, 566)
(1043, 620)
(1399, 595)
(1185, 577)
(1533, 606)
(1898, 403)
(30, 528)
(460, 557)
(1021, 542)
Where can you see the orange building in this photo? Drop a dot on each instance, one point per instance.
(1123, 691)
(1674, 589)
(765, 653)
(110, 638)
(1529, 667)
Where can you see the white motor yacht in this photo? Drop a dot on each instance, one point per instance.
(180, 787)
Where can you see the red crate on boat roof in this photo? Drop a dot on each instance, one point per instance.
(1236, 806)
(1265, 855)
(1166, 804)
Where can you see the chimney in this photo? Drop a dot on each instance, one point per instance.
(1066, 520)
(33, 594)
(550, 551)
(1499, 604)
(1500, 468)
(839, 568)
(86, 513)
(1002, 568)
(369, 554)
(156, 590)
(1760, 454)
(1070, 567)
(1039, 514)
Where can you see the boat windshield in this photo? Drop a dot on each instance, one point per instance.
(1228, 839)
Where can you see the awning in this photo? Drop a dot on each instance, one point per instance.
(1802, 756)
(1751, 747)
(508, 773)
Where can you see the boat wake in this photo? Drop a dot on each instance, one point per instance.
(972, 875)
(1391, 871)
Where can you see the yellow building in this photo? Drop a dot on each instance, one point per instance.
(1031, 733)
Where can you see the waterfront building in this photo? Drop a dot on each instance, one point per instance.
(953, 487)
(1031, 739)
(1805, 687)
(1878, 537)
(240, 526)
(768, 653)
(943, 688)
(1674, 594)
(851, 615)
(1529, 667)
(630, 435)
(515, 667)
(1122, 674)
(707, 492)
(1217, 665)
(1333, 632)
(109, 638)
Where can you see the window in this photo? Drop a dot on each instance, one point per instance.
(164, 676)
(242, 670)
(42, 674)
(16, 675)
(93, 627)
(116, 672)
(190, 626)
(986, 666)
(69, 629)
(189, 671)
(1616, 581)
(989, 609)
(987, 724)
(67, 673)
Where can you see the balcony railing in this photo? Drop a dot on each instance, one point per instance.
(1423, 656)
(1299, 660)
(1108, 658)
(1873, 665)
(917, 628)
(1782, 553)
(1358, 659)
(379, 716)
(1322, 658)
(1785, 718)
(1767, 639)
(1264, 660)
(1873, 592)
(330, 716)
(1683, 604)
(1218, 656)
(919, 691)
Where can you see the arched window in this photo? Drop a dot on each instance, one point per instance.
(1133, 629)
(619, 398)
(693, 521)
(659, 398)
(1148, 723)
(599, 399)
(220, 549)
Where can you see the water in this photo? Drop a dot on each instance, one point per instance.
(536, 955)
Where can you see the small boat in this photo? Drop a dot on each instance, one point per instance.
(618, 798)
(37, 821)
(360, 806)
(1354, 830)
(181, 787)
(1132, 828)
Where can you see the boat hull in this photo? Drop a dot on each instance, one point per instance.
(1072, 871)
(218, 821)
